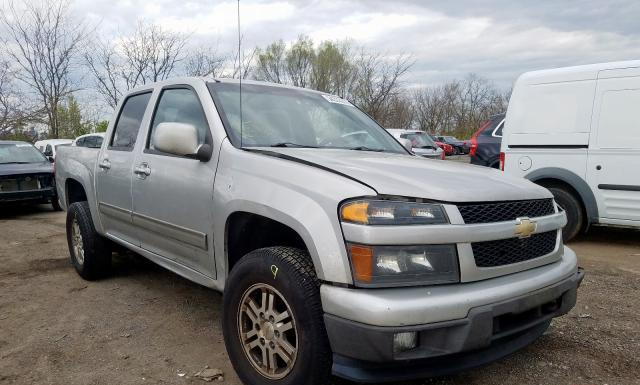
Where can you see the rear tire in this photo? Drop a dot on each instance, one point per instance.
(90, 253)
(276, 281)
(573, 208)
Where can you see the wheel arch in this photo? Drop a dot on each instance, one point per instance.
(551, 175)
(265, 227)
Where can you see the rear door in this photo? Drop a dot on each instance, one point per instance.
(173, 200)
(115, 169)
(614, 147)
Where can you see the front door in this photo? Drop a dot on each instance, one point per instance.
(115, 169)
(614, 149)
(173, 195)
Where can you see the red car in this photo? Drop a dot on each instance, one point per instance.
(448, 149)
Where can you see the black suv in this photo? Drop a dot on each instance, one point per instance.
(485, 143)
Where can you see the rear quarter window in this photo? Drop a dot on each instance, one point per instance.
(128, 124)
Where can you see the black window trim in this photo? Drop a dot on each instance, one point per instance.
(115, 125)
(208, 139)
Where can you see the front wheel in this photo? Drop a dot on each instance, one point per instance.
(273, 321)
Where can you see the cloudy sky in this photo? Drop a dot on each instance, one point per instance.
(497, 39)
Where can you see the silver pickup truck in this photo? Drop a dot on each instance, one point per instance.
(337, 250)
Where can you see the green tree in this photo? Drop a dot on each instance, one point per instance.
(102, 126)
(71, 124)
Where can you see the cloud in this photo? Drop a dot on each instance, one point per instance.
(498, 39)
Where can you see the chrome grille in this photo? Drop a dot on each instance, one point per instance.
(505, 211)
(513, 250)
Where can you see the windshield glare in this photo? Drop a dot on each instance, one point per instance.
(419, 140)
(284, 117)
(20, 153)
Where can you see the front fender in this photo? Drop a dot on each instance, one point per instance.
(300, 196)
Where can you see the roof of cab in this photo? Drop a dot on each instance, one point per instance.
(574, 73)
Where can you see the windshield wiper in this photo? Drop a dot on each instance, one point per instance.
(365, 148)
(290, 144)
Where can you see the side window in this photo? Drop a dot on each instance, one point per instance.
(80, 142)
(99, 140)
(180, 105)
(129, 120)
(90, 141)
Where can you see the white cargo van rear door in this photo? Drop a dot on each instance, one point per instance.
(614, 148)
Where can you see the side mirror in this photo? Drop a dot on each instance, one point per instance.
(51, 159)
(406, 143)
(176, 138)
(48, 153)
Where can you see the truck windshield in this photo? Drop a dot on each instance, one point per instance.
(285, 117)
(20, 153)
(420, 140)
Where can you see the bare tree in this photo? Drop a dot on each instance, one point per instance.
(378, 82)
(43, 41)
(14, 111)
(105, 66)
(150, 54)
(206, 63)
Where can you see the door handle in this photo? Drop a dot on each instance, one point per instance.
(143, 170)
(105, 164)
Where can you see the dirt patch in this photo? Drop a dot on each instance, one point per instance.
(146, 325)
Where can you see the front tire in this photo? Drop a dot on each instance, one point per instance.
(273, 321)
(572, 207)
(90, 253)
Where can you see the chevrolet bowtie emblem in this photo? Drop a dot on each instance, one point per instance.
(525, 227)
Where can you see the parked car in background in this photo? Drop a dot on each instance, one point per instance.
(89, 140)
(336, 248)
(447, 148)
(485, 143)
(48, 146)
(458, 145)
(576, 131)
(26, 175)
(421, 143)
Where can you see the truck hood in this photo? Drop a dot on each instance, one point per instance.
(26, 168)
(413, 176)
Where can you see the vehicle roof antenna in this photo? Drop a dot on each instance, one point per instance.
(240, 70)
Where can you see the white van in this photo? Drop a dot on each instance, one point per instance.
(48, 146)
(576, 131)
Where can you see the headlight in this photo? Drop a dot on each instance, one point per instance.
(379, 212)
(388, 266)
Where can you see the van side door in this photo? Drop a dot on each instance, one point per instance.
(114, 170)
(614, 147)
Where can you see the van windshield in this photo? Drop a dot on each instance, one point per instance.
(285, 117)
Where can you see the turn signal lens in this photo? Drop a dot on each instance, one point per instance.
(362, 261)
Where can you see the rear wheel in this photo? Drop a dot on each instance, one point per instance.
(273, 321)
(90, 253)
(573, 209)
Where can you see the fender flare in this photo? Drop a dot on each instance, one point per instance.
(573, 180)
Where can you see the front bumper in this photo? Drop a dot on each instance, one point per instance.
(488, 330)
(41, 195)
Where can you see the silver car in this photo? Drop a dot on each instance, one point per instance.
(421, 143)
(337, 250)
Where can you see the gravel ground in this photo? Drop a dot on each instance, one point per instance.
(146, 325)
